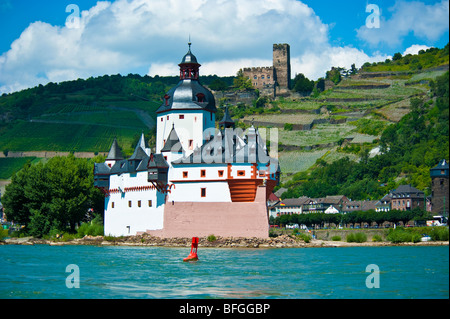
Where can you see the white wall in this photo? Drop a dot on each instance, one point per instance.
(123, 220)
(191, 127)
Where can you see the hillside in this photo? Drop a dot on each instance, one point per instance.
(83, 115)
(345, 124)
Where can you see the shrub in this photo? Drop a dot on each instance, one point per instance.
(304, 237)
(336, 238)
(356, 238)
(439, 233)
(3, 233)
(401, 235)
(94, 228)
(377, 238)
(288, 127)
(211, 238)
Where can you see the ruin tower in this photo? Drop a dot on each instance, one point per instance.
(282, 66)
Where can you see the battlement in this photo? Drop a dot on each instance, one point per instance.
(259, 69)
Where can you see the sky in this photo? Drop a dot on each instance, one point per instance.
(53, 41)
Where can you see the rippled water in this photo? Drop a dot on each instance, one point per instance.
(154, 272)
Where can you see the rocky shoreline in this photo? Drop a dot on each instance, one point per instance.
(145, 240)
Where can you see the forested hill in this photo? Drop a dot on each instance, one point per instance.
(85, 115)
(42, 99)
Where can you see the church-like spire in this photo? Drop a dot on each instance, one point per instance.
(189, 67)
(227, 121)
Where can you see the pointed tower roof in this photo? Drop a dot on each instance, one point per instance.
(173, 143)
(227, 121)
(188, 94)
(142, 143)
(114, 151)
(139, 152)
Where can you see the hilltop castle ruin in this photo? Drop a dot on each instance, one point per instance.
(276, 79)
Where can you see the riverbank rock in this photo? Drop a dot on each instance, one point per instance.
(283, 241)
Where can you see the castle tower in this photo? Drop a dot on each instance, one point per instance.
(439, 188)
(282, 66)
(188, 107)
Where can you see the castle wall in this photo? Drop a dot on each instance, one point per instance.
(133, 208)
(242, 219)
(261, 77)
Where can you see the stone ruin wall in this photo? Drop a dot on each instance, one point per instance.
(261, 77)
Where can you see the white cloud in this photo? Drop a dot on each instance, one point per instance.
(426, 22)
(415, 48)
(315, 64)
(151, 35)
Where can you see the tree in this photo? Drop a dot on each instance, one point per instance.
(241, 82)
(303, 85)
(397, 56)
(55, 195)
(334, 75)
(218, 85)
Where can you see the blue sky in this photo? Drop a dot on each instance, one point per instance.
(38, 45)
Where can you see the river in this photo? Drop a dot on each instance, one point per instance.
(88, 272)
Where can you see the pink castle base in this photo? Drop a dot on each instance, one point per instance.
(196, 219)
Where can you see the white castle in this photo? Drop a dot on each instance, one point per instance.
(199, 181)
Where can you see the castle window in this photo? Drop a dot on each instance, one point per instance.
(167, 117)
(129, 203)
(191, 144)
(255, 77)
(262, 76)
(185, 174)
(149, 203)
(181, 116)
(203, 173)
(220, 173)
(201, 97)
(203, 192)
(166, 100)
(162, 119)
(139, 203)
(112, 205)
(268, 76)
(241, 173)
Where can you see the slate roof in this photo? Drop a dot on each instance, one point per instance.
(184, 96)
(227, 147)
(173, 143)
(227, 121)
(406, 190)
(114, 152)
(441, 170)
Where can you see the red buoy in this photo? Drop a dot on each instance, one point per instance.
(193, 255)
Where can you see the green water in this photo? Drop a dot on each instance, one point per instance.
(153, 272)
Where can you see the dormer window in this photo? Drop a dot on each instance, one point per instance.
(166, 100)
(200, 98)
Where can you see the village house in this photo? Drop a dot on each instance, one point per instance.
(406, 197)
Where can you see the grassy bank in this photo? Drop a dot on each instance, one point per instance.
(397, 235)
